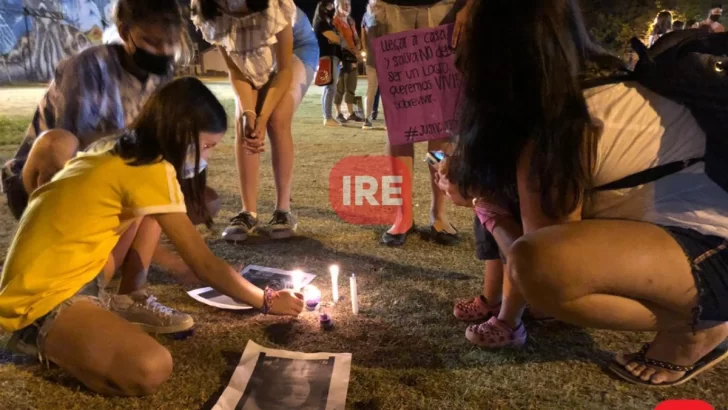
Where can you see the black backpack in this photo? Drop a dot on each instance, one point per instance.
(691, 68)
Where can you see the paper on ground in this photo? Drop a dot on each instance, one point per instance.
(259, 276)
(270, 379)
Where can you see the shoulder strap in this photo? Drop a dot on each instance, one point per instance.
(649, 175)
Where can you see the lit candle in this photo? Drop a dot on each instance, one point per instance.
(354, 295)
(334, 270)
(297, 279)
(312, 297)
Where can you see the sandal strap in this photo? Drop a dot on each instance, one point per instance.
(641, 356)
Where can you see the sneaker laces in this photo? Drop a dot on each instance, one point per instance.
(280, 218)
(243, 219)
(156, 307)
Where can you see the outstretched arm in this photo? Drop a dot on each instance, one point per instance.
(218, 274)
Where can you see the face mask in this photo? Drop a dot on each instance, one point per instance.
(188, 169)
(715, 17)
(151, 63)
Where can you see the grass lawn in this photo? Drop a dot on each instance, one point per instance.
(408, 350)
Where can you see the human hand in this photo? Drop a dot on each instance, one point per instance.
(286, 303)
(255, 136)
(461, 19)
(451, 190)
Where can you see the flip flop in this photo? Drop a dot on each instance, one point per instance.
(708, 361)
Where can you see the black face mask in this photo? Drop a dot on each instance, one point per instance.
(715, 17)
(151, 63)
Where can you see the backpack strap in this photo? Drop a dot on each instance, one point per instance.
(649, 175)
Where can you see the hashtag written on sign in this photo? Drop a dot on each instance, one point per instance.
(411, 134)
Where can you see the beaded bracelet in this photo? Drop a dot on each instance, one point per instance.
(268, 295)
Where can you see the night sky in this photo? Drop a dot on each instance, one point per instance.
(358, 7)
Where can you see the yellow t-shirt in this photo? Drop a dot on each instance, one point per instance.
(71, 226)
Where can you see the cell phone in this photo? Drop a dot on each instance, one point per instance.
(434, 157)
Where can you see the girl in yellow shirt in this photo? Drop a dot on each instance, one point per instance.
(101, 211)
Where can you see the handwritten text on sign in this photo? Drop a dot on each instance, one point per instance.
(419, 84)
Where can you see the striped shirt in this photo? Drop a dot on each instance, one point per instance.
(92, 96)
(249, 40)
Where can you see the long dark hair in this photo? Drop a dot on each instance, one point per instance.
(321, 13)
(524, 88)
(168, 125)
(209, 9)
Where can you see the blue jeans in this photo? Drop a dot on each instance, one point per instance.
(327, 97)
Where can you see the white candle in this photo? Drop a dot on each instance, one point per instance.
(334, 270)
(354, 295)
(297, 279)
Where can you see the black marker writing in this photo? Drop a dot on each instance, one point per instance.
(413, 102)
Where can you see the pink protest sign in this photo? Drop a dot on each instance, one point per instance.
(418, 83)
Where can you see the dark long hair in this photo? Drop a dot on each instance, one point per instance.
(209, 9)
(320, 13)
(168, 125)
(521, 88)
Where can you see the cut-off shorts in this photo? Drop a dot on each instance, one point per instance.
(708, 258)
(35, 334)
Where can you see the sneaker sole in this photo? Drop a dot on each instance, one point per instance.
(165, 330)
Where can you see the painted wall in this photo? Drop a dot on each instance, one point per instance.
(31, 45)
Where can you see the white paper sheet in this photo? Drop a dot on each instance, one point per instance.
(270, 379)
(260, 276)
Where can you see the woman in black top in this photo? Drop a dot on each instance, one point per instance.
(329, 46)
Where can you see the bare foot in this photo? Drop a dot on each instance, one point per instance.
(683, 349)
(444, 226)
(401, 225)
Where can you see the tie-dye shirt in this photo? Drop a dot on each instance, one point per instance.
(92, 96)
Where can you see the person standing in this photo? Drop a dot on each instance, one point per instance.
(350, 55)
(396, 16)
(662, 26)
(329, 43)
(369, 31)
(271, 53)
(712, 23)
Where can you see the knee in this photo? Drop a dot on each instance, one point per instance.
(56, 141)
(147, 371)
(527, 263)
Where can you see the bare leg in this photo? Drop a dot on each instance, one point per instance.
(493, 281)
(248, 165)
(281, 136)
(438, 207)
(617, 275)
(136, 264)
(513, 303)
(405, 155)
(106, 353)
(49, 154)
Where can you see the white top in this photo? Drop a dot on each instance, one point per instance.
(641, 130)
(248, 40)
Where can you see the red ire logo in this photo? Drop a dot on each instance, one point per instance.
(684, 405)
(368, 190)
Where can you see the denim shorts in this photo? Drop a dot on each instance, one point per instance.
(35, 333)
(708, 258)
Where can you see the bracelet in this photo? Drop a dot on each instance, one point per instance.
(250, 111)
(268, 295)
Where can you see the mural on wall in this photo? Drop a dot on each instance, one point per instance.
(36, 34)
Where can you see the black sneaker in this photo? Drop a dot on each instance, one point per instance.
(367, 125)
(340, 119)
(242, 225)
(282, 225)
(355, 118)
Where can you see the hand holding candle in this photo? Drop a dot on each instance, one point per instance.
(334, 270)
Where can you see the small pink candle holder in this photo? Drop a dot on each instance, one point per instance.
(326, 319)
